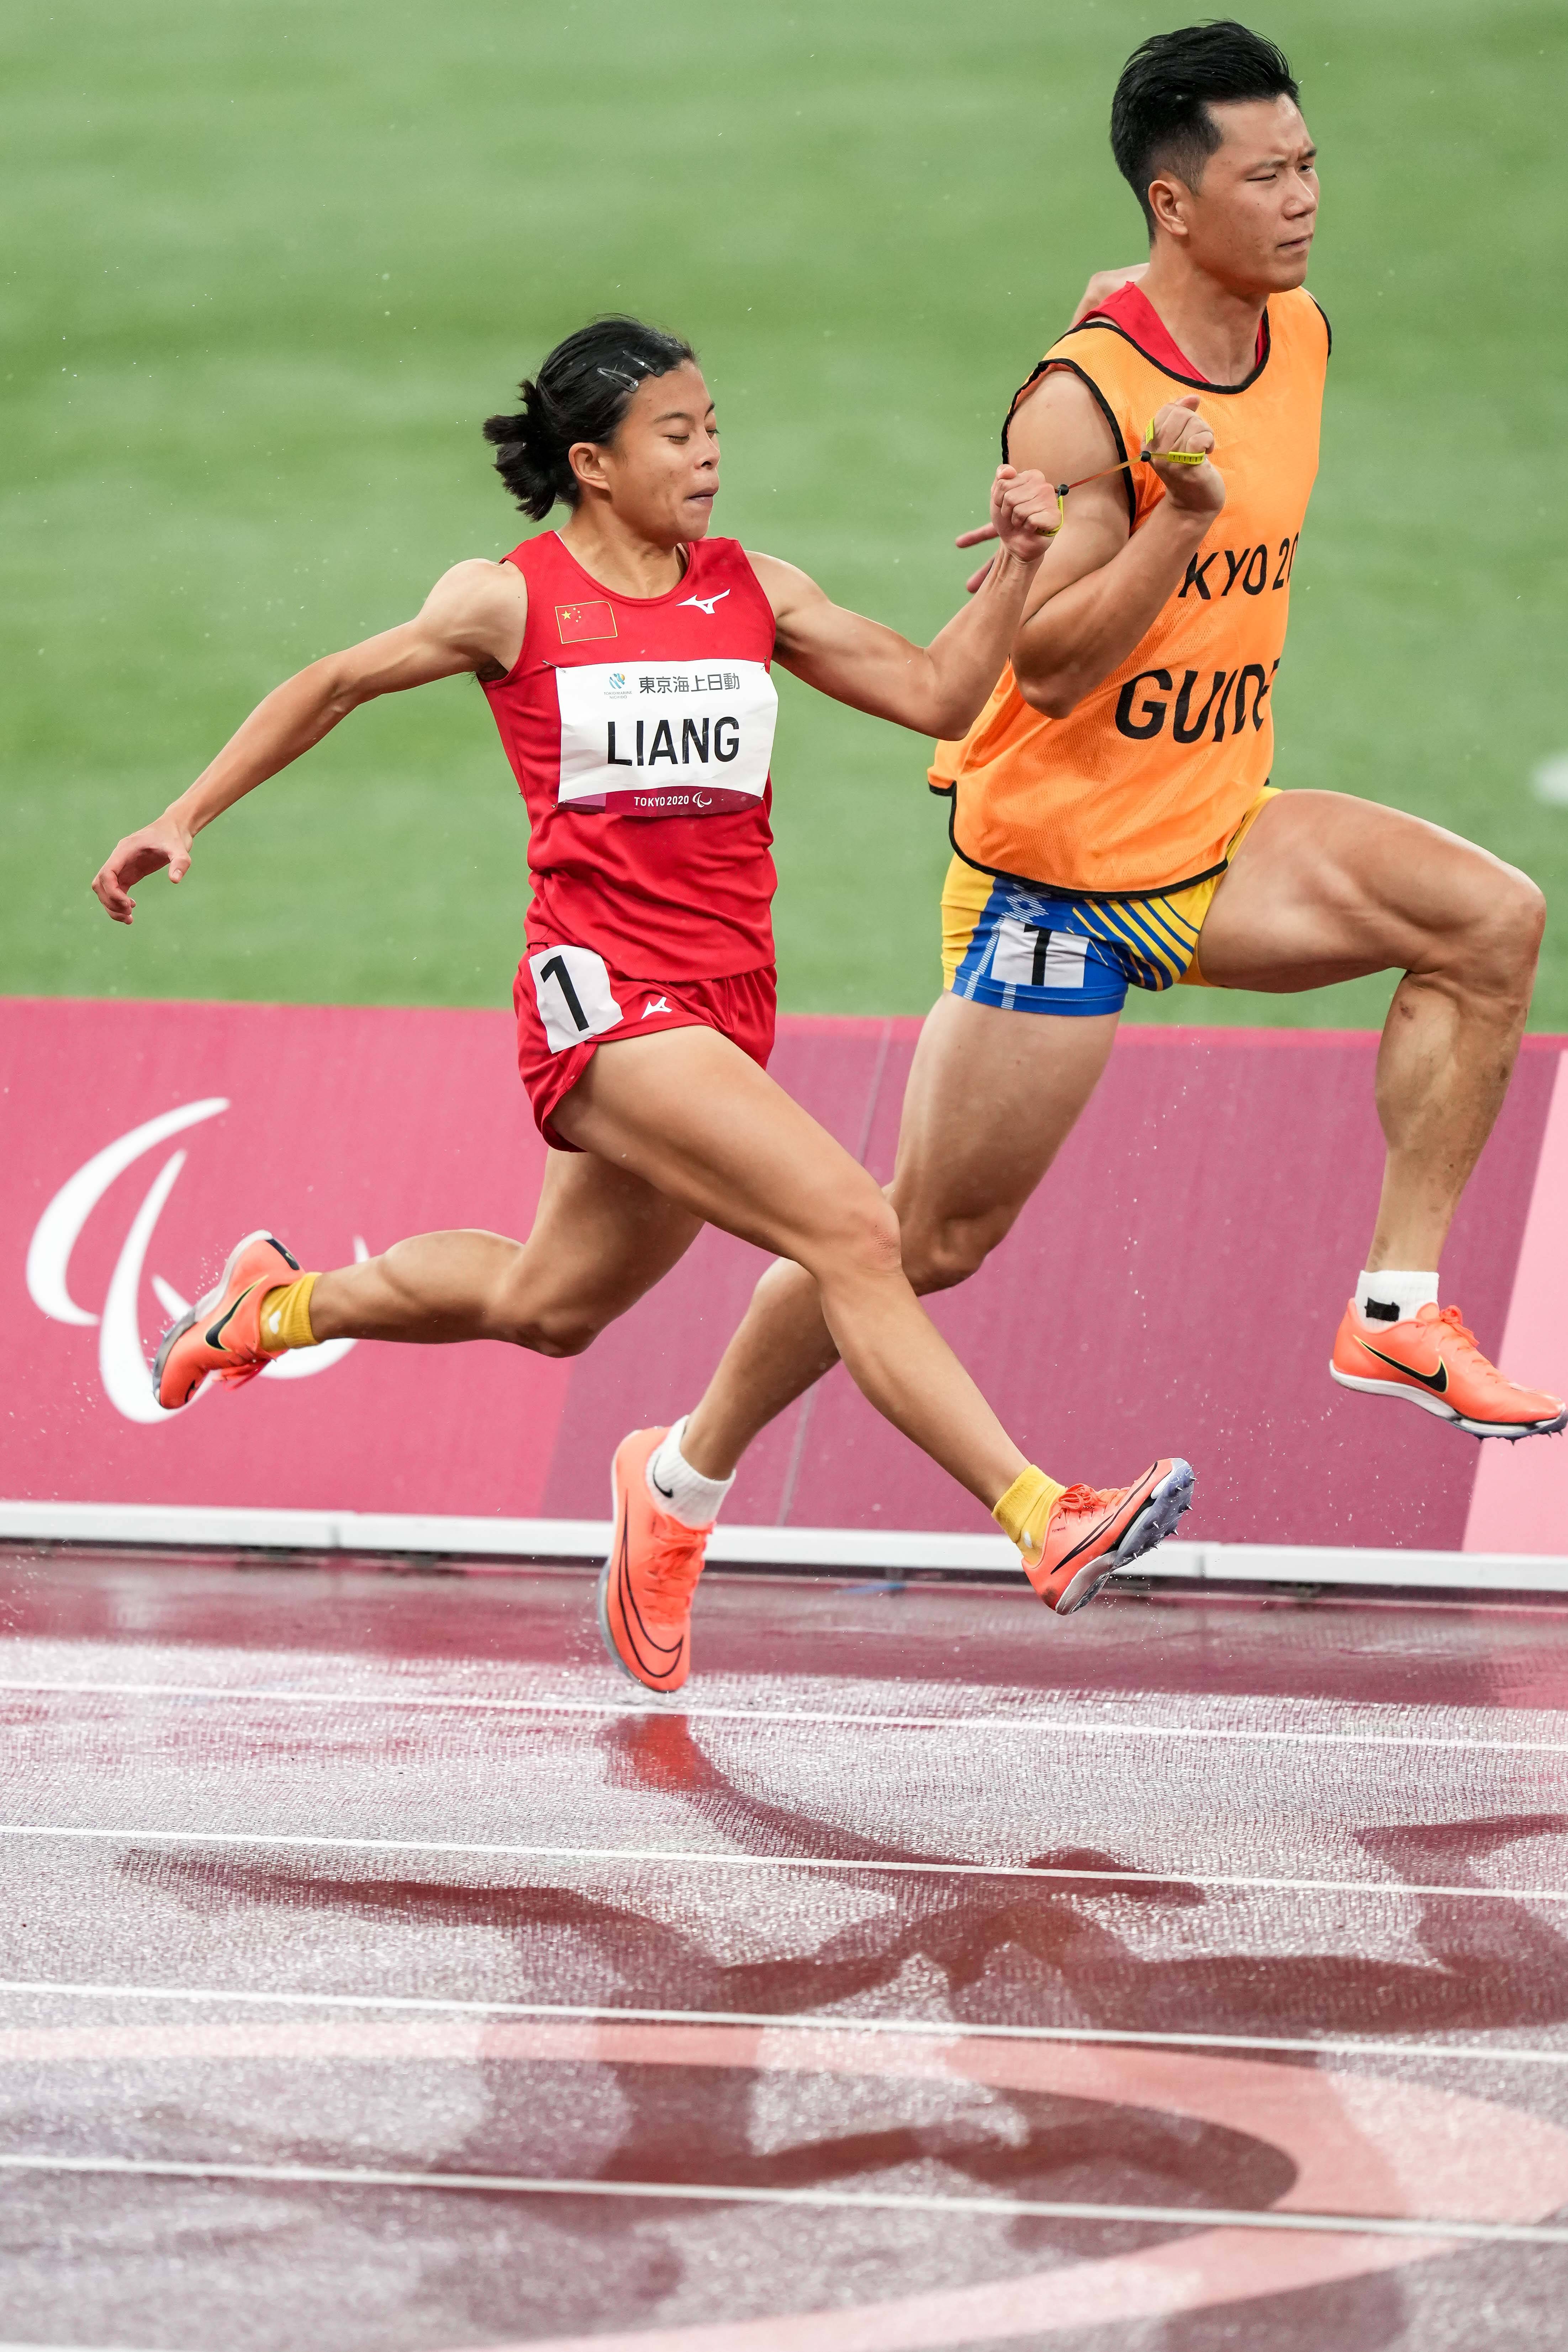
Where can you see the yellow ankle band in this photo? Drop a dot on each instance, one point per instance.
(286, 1317)
(1025, 1506)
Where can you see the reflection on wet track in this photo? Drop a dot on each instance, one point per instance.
(776, 2021)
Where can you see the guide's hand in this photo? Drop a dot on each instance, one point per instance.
(1025, 514)
(1103, 285)
(163, 843)
(1196, 489)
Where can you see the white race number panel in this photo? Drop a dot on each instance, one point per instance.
(572, 990)
(666, 738)
(1027, 956)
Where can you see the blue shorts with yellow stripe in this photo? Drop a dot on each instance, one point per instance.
(1025, 950)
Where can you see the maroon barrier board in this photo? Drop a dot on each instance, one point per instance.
(1173, 1287)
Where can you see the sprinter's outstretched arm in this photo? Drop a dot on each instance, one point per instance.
(473, 619)
(937, 689)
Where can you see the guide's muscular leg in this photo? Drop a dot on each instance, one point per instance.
(991, 1099)
(1325, 887)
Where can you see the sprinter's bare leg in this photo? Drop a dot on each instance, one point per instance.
(992, 1097)
(688, 1129)
(601, 1237)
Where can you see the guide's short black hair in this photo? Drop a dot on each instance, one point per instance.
(1160, 119)
(581, 393)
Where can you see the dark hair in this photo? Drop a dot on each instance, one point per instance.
(1160, 119)
(581, 393)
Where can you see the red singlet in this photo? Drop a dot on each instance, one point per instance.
(1131, 311)
(640, 731)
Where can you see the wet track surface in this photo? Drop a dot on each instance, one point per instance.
(379, 1974)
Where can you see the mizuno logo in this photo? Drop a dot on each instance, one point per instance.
(1436, 1381)
(655, 1004)
(706, 604)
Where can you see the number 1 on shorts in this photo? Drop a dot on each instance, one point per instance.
(572, 990)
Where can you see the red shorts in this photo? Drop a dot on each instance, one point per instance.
(569, 1001)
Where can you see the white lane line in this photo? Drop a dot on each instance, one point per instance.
(689, 1859)
(491, 2184)
(937, 2029)
(1039, 1726)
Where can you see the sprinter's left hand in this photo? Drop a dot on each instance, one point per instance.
(1025, 514)
(1034, 510)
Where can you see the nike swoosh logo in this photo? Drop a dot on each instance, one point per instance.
(214, 1336)
(668, 1492)
(666, 1656)
(1101, 1525)
(1436, 1381)
(1092, 1537)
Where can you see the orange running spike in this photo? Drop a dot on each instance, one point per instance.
(646, 1583)
(221, 1334)
(1433, 1360)
(1094, 1531)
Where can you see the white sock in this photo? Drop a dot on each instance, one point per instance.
(678, 1490)
(1406, 1293)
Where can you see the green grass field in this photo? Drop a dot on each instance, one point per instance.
(269, 266)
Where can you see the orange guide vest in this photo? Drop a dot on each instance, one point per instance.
(1141, 787)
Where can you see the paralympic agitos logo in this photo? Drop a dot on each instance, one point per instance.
(122, 1366)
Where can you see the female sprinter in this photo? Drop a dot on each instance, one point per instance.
(627, 659)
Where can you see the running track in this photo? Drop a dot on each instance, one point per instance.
(380, 1975)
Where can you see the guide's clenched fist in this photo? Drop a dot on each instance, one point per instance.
(1198, 487)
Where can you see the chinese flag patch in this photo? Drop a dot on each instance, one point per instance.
(576, 622)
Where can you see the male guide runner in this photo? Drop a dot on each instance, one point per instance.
(1111, 818)
(628, 661)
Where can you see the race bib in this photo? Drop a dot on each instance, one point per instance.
(1027, 955)
(572, 990)
(666, 738)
